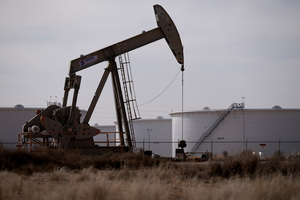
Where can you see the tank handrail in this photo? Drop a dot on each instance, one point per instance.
(215, 124)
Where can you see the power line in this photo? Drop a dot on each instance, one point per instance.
(162, 91)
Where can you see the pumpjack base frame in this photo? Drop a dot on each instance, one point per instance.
(29, 140)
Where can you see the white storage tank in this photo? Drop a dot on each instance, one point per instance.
(11, 121)
(107, 131)
(158, 131)
(260, 130)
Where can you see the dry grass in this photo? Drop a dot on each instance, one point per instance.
(46, 160)
(52, 174)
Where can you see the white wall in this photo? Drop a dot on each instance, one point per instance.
(275, 128)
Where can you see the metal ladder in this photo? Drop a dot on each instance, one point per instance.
(129, 94)
(215, 124)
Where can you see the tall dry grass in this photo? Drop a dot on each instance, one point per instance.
(56, 175)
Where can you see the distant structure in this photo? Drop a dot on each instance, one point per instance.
(236, 129)
(49, 103)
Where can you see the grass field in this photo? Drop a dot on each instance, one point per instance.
(52, 174)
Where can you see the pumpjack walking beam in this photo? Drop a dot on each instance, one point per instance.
(166, 29)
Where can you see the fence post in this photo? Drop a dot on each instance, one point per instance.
(107, 140)
(143, 144)
(30, 141)
(279, 144)
(211, 148)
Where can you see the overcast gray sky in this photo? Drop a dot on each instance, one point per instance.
(233, 49)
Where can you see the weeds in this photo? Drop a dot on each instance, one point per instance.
(53, 174)
(241, 165)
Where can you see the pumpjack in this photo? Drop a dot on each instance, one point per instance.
(63, 123)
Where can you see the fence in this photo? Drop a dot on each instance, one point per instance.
(266, 147)
(167, 148)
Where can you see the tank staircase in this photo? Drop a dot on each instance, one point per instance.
(215, 124)
(129, 94)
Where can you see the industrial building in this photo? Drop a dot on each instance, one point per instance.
(236, 129)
